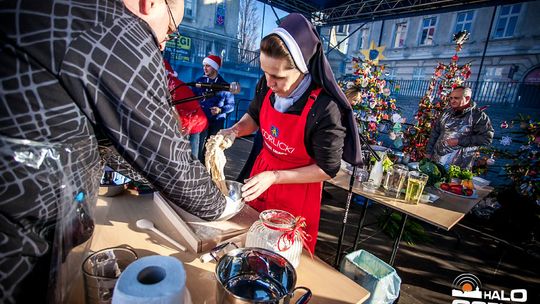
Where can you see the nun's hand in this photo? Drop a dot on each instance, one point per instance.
(229, 134)
(257, 184)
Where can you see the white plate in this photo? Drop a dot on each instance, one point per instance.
(474, 195)
(480, 182)
(428, 198)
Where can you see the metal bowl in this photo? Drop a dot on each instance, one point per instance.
(249, 275)
(235, 190)
(235, 193)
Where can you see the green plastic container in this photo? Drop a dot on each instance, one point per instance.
(376, 276)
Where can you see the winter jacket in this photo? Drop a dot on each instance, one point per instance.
(223, 99)
(472, 127)
(192, 118)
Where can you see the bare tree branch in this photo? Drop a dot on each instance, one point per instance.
(248, 28)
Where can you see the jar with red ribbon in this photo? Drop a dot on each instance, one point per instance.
(279, 231)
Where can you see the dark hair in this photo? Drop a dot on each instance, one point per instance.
(274, 47)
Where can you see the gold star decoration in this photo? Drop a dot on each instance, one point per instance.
(373, 54)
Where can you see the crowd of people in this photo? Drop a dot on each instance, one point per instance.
(91, 80)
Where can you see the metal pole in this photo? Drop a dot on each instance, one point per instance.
(262, 36)
(484, 53)
(398, 239)
(347, 206)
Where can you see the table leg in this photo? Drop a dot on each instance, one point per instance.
(398, 239)
(347, 206)
(361, 223)
(342, 233)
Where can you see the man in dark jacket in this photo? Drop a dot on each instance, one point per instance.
(459, 132)
(215, 107)
(73, 72)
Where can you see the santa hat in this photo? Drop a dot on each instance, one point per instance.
(213, 61)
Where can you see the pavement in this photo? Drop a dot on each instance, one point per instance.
(428, 267)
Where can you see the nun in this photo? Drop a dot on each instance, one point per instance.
(306, 124)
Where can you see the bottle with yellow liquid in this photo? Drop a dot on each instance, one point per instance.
(415, 186)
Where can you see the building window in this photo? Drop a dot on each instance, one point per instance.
(428, 31)
(506, 23)
(391, 74)
(418, 74)
(464, 21)
(189, 8)
(400, 35)
(363, 39)
(493, 72)
(342, 29)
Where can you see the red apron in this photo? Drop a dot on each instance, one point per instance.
(283, 148)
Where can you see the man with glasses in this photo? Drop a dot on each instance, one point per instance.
(73, 73)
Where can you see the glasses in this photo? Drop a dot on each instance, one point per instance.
(173, 29)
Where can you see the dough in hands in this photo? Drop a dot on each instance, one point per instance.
(215, 160)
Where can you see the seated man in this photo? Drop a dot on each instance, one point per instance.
(459, 132)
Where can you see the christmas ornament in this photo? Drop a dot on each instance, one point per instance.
(506, 140)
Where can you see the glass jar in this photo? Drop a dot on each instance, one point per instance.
(395, 180)
(277, 230)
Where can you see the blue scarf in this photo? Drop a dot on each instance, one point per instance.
(282, 104)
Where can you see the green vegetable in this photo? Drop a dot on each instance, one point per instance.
(466, 175)
(387, 163)
(431, 169)
(454, 171)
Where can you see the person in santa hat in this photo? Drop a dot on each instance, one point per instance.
(215, 107)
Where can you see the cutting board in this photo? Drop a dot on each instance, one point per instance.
(202, 235)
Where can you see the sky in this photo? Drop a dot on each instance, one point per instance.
(269, 18)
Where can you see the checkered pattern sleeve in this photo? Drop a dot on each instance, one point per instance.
(122, 83)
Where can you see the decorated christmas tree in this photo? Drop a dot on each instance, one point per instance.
(519, 152)
(444, 79)
(371, 100)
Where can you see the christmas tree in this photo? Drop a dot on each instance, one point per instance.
(521, 164)
(444, 79)
(371, 101)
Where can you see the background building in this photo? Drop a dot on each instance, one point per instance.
(415, 45)
(211, 27)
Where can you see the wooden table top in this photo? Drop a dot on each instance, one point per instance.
(444, 213)
(115, 219)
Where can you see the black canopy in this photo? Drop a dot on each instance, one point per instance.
(333, 12)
